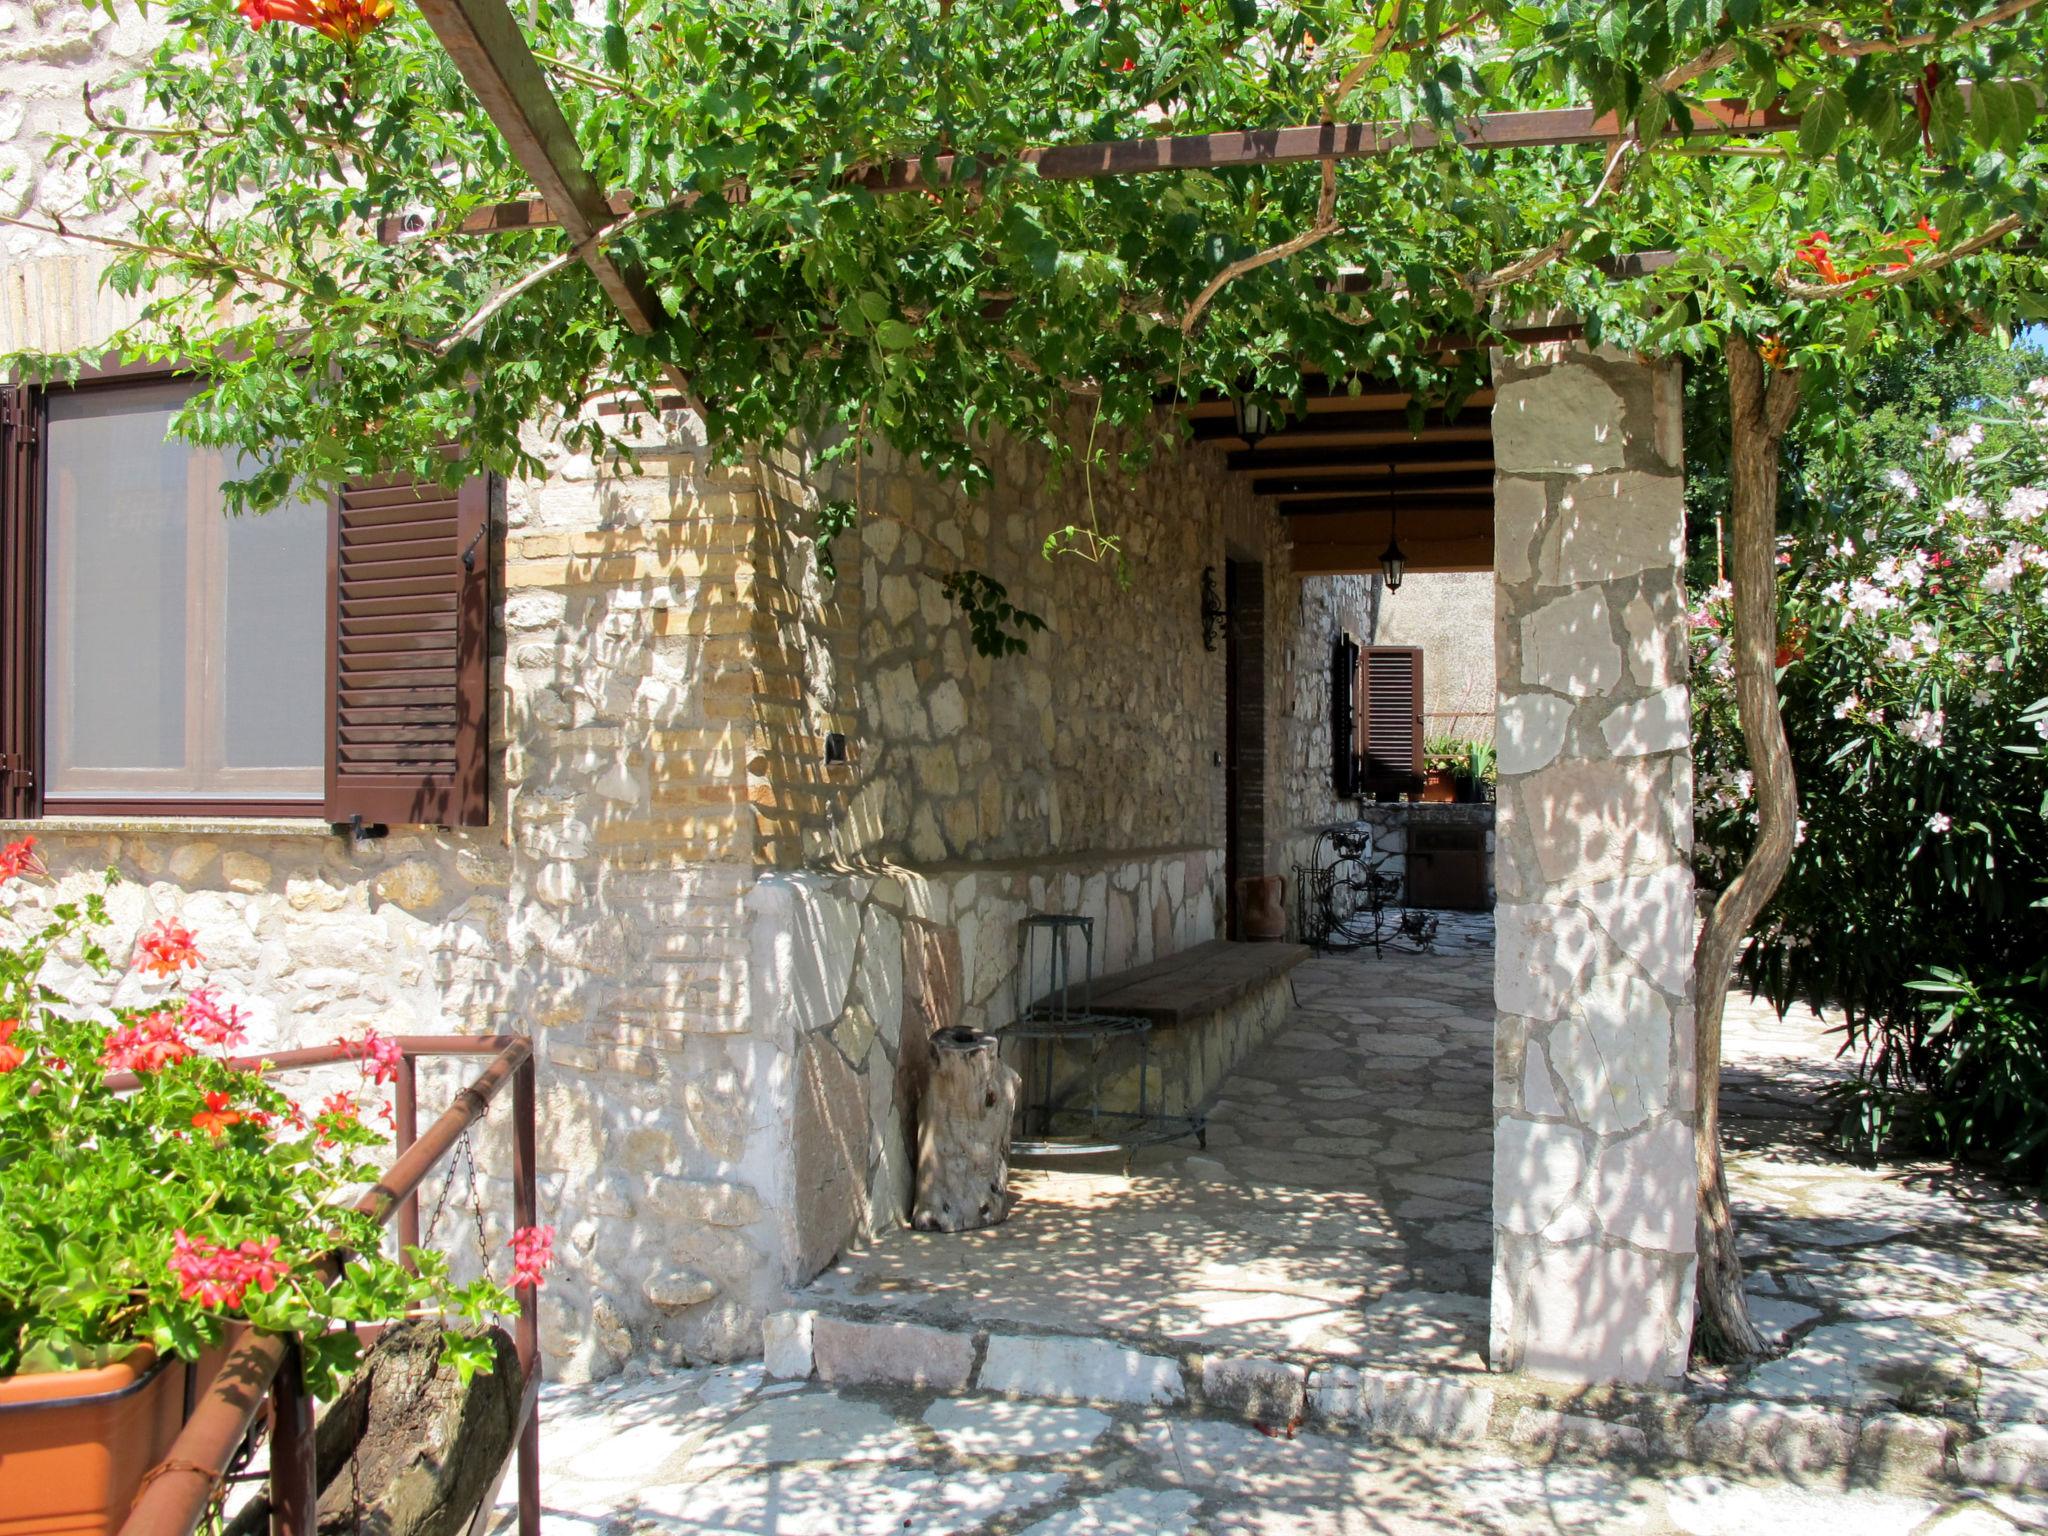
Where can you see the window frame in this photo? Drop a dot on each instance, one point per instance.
(308, 806)
(360, 789)
(33, 664)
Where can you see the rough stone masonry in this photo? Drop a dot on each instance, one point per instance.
(1594, 1205)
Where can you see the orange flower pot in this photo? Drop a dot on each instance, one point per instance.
(1440, 786)
(75, 1444)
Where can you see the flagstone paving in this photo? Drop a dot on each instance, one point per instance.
(726, 1452)
(1341, 1216)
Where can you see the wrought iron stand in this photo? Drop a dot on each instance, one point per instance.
(1066, 1051)
(1348, 900)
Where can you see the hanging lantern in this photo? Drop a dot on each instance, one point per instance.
(1254, 421)
(1394, 564)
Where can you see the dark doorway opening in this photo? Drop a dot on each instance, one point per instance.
(1244, 733)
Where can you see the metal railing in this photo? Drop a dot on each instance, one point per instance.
(177, 1494)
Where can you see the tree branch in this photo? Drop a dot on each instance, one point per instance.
(547, 269)
(1618, 159)
(1325, 226)
(196, 259)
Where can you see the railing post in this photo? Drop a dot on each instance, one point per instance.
(405, 1107)
(525, 1212)
(294, 1472)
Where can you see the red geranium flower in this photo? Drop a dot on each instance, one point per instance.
(216, 1117)
(11, 1055)
(166, 948)
(150, 1044)
(533, 1250)
(20, 859)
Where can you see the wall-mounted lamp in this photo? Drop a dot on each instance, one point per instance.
(1214, 615)
(1394, 564)
(1254, 421)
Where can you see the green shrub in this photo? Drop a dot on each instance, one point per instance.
(1914, 680)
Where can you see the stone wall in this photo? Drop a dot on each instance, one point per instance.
(726, 948)
(1084, 775)
(1450, 615)
(1594, 1205)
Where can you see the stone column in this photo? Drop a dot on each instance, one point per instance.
(1593, 1190)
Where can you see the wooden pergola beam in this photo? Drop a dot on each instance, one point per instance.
(1241, 149)
(485, 44)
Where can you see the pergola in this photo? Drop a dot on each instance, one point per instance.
(1342, 473)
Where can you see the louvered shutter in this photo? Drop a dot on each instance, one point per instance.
(1343, 717)
(1390, 716)
(21, 605)
(410, 622)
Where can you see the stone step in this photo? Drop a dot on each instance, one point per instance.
(1515, 1415)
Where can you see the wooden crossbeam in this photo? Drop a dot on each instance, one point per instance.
(1362, 460)
(1322, 423)
(485, 44)
(1240, 149)
(1475, 480)
(1425, 508)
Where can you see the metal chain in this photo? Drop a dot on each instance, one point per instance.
(447, 1184)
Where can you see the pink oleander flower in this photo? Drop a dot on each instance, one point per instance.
(533, 1250)
(217, 1275)
(166, 948)
(210, 1021)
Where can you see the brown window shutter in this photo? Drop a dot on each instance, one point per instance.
(21, 604)
(409, 607)
(1344, 717)
(1390, 716)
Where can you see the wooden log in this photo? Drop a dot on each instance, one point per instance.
(963, 1134)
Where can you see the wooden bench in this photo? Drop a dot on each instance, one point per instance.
(1209, 1006)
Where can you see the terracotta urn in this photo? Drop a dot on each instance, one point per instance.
(1262, 908)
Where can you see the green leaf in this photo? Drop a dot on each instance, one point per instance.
(895, 335)
(1821, 124)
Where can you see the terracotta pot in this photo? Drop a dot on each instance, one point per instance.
(1440, 786)
(74, 1444)
(1261, 908)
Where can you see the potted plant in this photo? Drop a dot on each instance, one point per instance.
(143, 1224)
(1475, 782)
(1443, 759)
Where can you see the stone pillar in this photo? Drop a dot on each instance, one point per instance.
(1593, 1190)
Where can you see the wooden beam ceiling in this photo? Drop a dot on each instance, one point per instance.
(1419, 482)
(1349, 543)
(1319, 424)
(1470, 450)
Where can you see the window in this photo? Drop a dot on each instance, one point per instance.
(1389, 717)
(160, 657)
(185, 650)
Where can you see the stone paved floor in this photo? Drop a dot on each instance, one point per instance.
(1341, 1214)
(1342, 1209)
(721, 1453)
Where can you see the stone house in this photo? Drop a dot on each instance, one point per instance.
(728, 836)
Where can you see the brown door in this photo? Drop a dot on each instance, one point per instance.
(1244, 733)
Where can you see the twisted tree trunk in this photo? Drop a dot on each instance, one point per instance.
(1760, 408)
